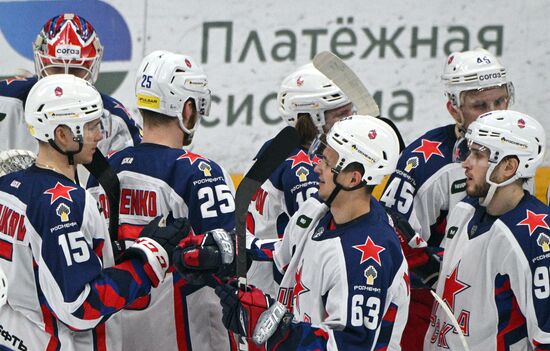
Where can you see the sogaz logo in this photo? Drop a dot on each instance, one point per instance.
(21, 21)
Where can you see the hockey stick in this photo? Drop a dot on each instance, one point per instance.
(108, 179)
(340, 74)
(451, 316)
(266, 163)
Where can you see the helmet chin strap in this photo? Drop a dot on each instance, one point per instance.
(485, 201)
(69, 154)
(339, 187)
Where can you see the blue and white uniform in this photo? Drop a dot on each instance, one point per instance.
(347, 285)
(158, 180)
(293, 182)
(495, 279)
(55, 250)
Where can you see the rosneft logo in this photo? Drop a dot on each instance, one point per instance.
(148, 101)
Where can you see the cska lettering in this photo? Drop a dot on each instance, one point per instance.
(138, 202)
(259, 198)
(104, 205)
(12, 223)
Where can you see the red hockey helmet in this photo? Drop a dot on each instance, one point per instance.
(68, 44)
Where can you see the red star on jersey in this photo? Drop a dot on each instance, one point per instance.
(534, 220)
(60, 191)
(123, 108)
(300, 157)
(452, 287)
(370, 250)
(299, 288)
(316, 160)
(191, 157)
(429, 148)
(13, 79)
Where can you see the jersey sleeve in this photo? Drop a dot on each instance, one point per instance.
(71, 265)
(122, 129)
(525, 270)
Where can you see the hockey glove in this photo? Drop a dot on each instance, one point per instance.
(199, 256)
(156, 244)
(252, 313)
(423, 261)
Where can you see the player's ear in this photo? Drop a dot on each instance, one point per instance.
(453, 110)
(63, 135)
(189, 114)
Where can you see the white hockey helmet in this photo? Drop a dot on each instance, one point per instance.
(368, 141)
(476, 69)
(309, 91)
(68, 41)
(61, 99)
(510, 133)
(165, 81)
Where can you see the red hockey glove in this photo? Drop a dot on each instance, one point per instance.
(198, 256)
(156, 243)
(251, 313)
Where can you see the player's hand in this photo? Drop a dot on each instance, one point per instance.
(251, 313)
(198, 256)
(156, 244)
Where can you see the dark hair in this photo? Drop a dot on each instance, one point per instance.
(306, 129)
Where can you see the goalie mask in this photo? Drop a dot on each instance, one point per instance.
(165, 81)
(309, 91)
(476, 69)
(68, 44)
(508, 133)
(61, 99)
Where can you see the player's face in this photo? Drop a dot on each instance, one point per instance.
(324, 169)
(93, 133)
(334, 115)
(478, 102)
(75, 71)
(475, 167)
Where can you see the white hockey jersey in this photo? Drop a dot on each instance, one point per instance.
(158, 180)
(346, 285)
(495, 279)
(64, 291)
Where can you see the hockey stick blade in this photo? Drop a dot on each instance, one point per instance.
(266, 163)
(336, 70)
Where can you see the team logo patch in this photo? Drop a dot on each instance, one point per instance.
(453, 286)
(534, 221)
(428, 149)
(303, 221)
(318, 232)
(370, 273)
(58, 91)
(205, 168)
(63, 211)
(458, 186)
(372, 134)
(60, 191)
(302, 174)
(544, 242)
(188, 63)
(521, 123)
(451, 232)
(300, 157)
(369, 250)
(411, 164)
(300, 81)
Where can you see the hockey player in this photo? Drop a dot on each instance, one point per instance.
(311, 103)
(64, 291)
(494, 276)
(344, 277)
(69, 44)
(427, 182)
(159, 177)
